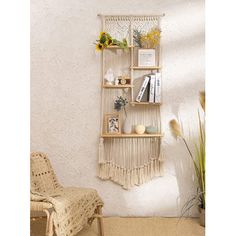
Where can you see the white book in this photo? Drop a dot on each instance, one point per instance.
(142, 89)
(158, 88)
(152, 88)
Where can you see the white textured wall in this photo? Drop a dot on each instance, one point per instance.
(65, 95)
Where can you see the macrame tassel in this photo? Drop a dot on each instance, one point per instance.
(124, 173)
(132, 182)
(161, 169)
(145, 174)
(101, 171)
(155, 166)
(161, 156)
(141, 175)
(101, 151)
(110, 175)
(128, 179)
(135, 177)
(113, 175)
(151, 171)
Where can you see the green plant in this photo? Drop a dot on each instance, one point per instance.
(120, 103)
(137, 37)
(198, 158)
(106, 40)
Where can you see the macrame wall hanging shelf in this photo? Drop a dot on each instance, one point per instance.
(132, 158)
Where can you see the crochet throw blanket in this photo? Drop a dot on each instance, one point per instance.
(74, 208)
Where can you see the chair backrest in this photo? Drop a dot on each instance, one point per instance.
(43, 178)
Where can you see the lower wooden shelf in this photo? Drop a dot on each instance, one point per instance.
(132, 135)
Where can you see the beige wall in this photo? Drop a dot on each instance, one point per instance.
(65, 95)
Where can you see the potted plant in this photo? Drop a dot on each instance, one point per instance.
(119, 104)
(198, 160)
(147, 44)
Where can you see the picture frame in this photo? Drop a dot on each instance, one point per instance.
(112, 123)
(146, 57)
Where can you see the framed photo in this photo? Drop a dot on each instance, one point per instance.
(112, 123)
(146, 57)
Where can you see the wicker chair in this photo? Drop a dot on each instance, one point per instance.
(43, 179)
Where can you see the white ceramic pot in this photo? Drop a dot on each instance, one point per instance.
(140, 129)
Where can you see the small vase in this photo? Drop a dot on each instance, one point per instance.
(127, 127)
(202, 217)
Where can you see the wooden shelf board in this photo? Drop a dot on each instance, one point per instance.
(145, 68)
(117, 47)
(131, 135)
(145, 103)
(117, 86)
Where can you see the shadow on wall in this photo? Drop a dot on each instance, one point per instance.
(178, 98)
(185, 176)
(175, 101)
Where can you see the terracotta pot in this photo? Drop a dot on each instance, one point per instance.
(202, 217)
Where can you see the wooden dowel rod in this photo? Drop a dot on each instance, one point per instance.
(151, 15)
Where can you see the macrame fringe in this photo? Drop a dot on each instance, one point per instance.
(129, 178)
(101, 151)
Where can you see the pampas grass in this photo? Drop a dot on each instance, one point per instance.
(175, 128)
(176, 131)
(199, 158)
(202, 99)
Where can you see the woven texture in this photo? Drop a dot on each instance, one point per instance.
(129, 162)
(43, 178)
(74, 207)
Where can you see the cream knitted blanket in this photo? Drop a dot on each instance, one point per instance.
(74, 208)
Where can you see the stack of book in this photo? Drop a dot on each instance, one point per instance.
(151, 87)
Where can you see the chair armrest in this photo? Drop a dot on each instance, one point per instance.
(40, 206)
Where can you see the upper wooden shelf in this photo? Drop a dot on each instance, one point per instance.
(145, 103)
(117, 47)
(117, 86)
(145, 67)
(132, 135)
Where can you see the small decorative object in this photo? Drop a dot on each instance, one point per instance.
(117, 81)
(146, 57)
(151, 129)
(120, 103)
(123, 81)
(106, 40)
(109, 77)
(140, 129)
(112, 123)
(127, 80)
